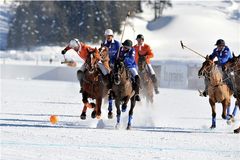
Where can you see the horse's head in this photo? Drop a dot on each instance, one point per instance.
(118, 71)
(142, 63)
(233, 64)
(206, 67)
(103, 51)
(91, 61)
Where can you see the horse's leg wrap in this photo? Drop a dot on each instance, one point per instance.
(213, 122)
(234, 111)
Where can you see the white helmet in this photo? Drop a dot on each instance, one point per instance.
(108, 32)
(75, 43)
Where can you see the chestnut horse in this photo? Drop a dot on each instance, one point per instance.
(147, 84)
(122, 91)
(94, 84)
(218, 90)
(233, 67)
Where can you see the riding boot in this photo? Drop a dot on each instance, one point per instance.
(136, 88)
(80, 75)
(155, 84)
(232, 88)
(229, 82)
(109, 81)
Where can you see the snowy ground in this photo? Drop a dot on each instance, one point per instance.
(175, 127)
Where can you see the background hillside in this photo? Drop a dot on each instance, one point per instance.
(198, 23)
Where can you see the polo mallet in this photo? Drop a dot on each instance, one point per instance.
(183, 46)
(128, 14)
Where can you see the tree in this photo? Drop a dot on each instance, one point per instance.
(159, 6)
(55, 22)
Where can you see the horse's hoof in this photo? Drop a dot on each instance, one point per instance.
(137, 98)
(83, 116)
(117, 126)
(213, 126)
(237, 130)
(110, 115)
(230, 121)
(93, 115)
(129, 127)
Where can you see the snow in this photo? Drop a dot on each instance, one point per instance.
(197, 23)
(176, 126)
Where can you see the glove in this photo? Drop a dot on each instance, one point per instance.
(64, 51)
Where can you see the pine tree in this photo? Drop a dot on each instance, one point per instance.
(55, 22)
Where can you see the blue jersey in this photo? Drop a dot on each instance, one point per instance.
(223, 56)
(113, 47)
(128, 57)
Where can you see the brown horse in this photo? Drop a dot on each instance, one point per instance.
(147, 84)
(122, 91)
(94, 84)
(233, 67)
(217, 89)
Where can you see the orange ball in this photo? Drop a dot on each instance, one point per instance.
(53, 119)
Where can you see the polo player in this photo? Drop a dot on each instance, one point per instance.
(223, 54)
(143, 49)
(83, 51)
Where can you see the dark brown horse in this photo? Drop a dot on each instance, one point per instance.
(94, 84)
(146, 81)
(122, 91)
(233, 67)
(217, 89)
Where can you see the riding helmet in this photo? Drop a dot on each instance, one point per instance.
(127, 43)
(220, 42)
(140, 36)
(108, 32)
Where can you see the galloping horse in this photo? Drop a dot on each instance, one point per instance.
(218, 91)
(94, 84)
(233, 67)
(122, 91)
(147, 84)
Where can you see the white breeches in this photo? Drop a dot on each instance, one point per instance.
(83, 68)
(103, 69)
(133, 71)
(150, 69)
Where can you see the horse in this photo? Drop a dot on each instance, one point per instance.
(218, 90)
(122, 91)
(95, 84)
(147, 84)
(233, 67)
